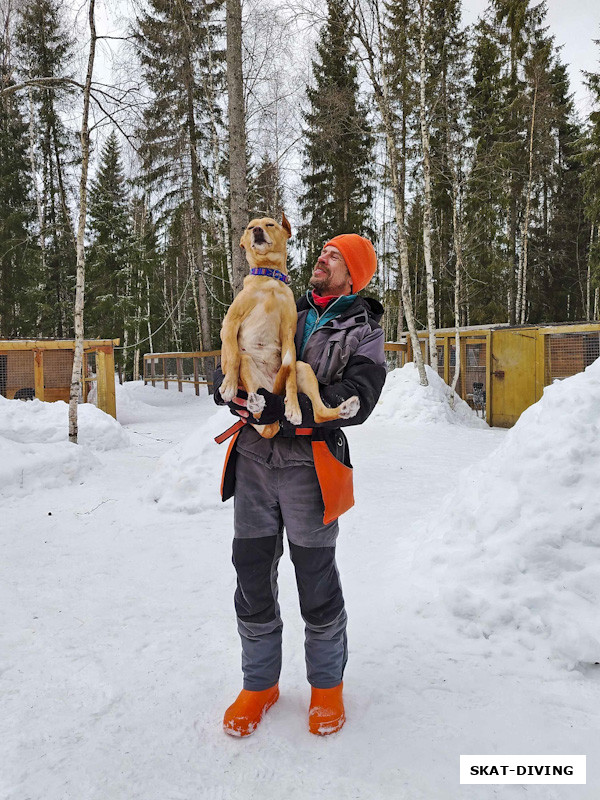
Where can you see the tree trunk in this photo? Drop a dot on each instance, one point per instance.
(522, 286)
(427, 195)
(76, 376)
(237, 141)
(204, 332)
(457, 238)
(588, 292)
(379, 80)
(148, 314)
(38, 199)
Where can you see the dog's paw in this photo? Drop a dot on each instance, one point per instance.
(293, 415)
(349, 408)
(255, 403)
(228, 390)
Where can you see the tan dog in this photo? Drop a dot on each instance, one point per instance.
(258, 335)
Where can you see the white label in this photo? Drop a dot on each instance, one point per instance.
(522, 769)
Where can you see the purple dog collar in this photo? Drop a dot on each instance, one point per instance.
(270, 273)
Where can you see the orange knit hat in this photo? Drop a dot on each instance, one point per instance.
(359, 255)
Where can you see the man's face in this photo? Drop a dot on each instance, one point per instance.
(330, 275)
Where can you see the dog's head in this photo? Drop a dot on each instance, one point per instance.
(264, 241)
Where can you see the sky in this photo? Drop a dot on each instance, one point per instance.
(575, 24)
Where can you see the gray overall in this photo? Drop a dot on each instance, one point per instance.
(276, 487)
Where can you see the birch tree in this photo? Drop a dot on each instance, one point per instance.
(371, 39)
(426, 159)
(76, 376)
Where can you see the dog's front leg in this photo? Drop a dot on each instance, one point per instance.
(230, 353)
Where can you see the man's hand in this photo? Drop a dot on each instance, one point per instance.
(238, 404)
(274, 408)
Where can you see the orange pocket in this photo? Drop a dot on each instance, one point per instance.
(335, 480)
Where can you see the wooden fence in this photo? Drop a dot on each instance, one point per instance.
(180, 368)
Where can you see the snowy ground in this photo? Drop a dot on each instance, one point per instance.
(119, 651)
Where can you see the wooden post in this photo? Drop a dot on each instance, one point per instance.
(179, 363)
(463, 369)
(488, 377)
(145, 371)
(38, 373)
(165, 377)
(153, 371)
(84, 369)
(196, 384)
(540, 364)
(105, 376)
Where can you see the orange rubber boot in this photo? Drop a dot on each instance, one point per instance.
(242, 718)
(326, 714)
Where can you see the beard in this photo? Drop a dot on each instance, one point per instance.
(320, 283)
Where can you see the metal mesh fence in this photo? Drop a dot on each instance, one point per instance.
(471, 381)
(570, 353)
(58, 367)
(17, 375)
(441, 354)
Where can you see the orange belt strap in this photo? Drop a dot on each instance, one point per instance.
(222, 437)
(230, 431)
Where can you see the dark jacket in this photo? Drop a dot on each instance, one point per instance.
(348, 359)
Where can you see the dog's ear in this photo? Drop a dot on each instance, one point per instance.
(286, 225)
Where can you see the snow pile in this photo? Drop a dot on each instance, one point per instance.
(518, 561)
(404, 400)
(188, 476)
(25, 468)
(34, 449)
(34, 421)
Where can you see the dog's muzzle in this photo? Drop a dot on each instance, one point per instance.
(259, 237)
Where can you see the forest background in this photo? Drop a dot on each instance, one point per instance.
(458, 149)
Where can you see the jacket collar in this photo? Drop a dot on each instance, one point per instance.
(367, 305)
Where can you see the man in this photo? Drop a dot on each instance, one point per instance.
(277, 486)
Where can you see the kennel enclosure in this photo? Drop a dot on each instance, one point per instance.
(41, 368)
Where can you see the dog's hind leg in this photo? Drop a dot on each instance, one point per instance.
(287, 373)
(308, 383)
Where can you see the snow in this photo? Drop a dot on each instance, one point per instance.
(402, 402)
(34, 449)
(120, 652)
(185, 476)
(518, 564)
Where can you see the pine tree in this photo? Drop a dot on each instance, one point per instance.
(486, 199)
(446, 89)
(337, 169)
(265, 190)
(517, 21)
(108, 293)
(45, 50)
(590, 157)
(146, 307)
(18, 253)
(183, 70)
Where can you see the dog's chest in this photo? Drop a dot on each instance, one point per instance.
(259, 337)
